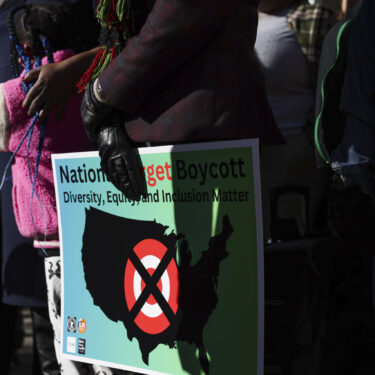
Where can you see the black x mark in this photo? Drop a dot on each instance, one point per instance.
(151, 285)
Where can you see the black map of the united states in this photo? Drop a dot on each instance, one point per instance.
(108, 247)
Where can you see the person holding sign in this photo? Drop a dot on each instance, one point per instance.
(187, 76)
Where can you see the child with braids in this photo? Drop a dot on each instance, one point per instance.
(40, 34)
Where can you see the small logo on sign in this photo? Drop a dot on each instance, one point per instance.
(81, 346)
(82, 325)
(71, 344)
(72, 324)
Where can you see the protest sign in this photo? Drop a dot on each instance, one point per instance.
(172, 284)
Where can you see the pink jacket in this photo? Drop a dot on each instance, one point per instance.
(67, 135)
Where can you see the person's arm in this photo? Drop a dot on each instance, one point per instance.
(4, 122)
(55, 83)
(173, 32)
(119, 158)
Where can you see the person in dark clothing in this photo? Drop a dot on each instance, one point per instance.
(188, 76)
(358, 93)
(345, 127)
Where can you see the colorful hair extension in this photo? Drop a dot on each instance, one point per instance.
(115, 20)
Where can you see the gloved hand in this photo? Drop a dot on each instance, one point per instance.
(121, 162)
(95, 114)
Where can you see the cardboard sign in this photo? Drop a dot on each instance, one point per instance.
(172, 284)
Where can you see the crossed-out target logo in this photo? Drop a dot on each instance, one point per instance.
(72, 324)
(151, 286)
(82, 325)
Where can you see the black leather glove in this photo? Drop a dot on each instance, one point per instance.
(121, 162)
(95, 114)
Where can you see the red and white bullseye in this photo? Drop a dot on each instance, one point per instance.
(151, 318)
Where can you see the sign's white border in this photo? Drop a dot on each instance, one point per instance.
(253, 144)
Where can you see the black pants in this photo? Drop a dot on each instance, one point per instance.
(44, 357)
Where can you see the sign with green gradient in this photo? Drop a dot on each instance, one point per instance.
(173, 283)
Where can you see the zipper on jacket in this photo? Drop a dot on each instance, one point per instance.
(316, 131)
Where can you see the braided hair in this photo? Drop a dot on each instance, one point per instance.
(44, 28)
(119, 20)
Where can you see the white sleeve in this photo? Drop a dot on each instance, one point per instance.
(4, 121)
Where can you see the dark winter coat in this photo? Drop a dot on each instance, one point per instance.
(191, 75)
